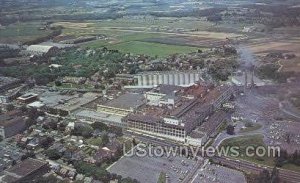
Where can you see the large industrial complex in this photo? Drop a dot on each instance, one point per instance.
(176, 111)
(149, 91)
(179, 78)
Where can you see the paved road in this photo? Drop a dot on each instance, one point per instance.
(288, 109)
(219, 141)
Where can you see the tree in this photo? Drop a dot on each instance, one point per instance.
(84, 130)
(134, 142)
(105, 139)
(49, 179)
(53, 154)
(249, 124)
(10, 107)
(129, 180)
(275, 176)
(116, 130)
(97, 172)
(28, 155)
(99, 126)
(46, 142)
(230, 129)
(58, 83)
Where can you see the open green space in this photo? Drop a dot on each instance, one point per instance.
(151, 49)
(184, 22)
(162, 178)
(255, 141)
(255, 126)
(95, 141)
(22, 32)
(246, 141)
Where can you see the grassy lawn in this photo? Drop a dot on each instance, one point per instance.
(95, 141)
(22, 32)
(127, 144)
(255, 126)
(152, 49)
(162, 178)
(291, 167)
(246, 141)
(255, 141)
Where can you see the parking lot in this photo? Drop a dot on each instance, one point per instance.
(147, 169)
(216, 173)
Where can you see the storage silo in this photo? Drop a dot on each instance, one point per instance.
(155, 79)
(192, 77)
(176, 78)
(166, 79)
(140, 80)
(186, 78)
(171, 78)
(181, 78)
(197, 77)
(160, 78)
(145, 79)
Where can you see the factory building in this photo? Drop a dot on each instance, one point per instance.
(25, 171)
(42, 50)
(27, 98)
(152, 125)
(163, 95)
(123, 105)
(178, 78)
(178, 120)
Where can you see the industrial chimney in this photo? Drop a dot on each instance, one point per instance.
(252, 78)
(246, 81)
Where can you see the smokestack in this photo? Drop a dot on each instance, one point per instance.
(246, 81)
(252, 78)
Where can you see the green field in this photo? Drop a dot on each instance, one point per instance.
(252, 128)
(246, 141)
(162, 178)
(255, 141)
(22, 32)
(122, 35)
(151, 49)
(95, 141)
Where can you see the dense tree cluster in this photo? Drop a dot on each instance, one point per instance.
(99, 173)
(270, 71)
(285, 158)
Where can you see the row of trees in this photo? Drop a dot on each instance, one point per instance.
(99, 173)
(286, 158)
(270, 71)
(266, 177)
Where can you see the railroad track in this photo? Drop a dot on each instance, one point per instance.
(285, 175)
